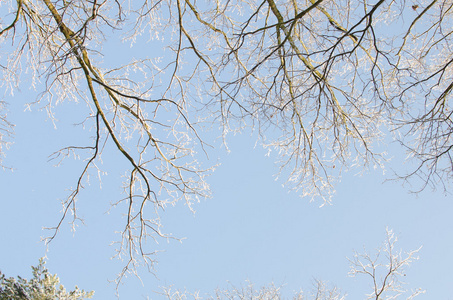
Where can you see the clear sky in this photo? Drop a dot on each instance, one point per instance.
(251, 229)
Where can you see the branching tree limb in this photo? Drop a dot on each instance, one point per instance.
(322, 82)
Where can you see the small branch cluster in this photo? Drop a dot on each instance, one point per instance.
(385, 269)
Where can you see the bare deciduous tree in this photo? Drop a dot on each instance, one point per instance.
(321, 81)
(321, 291)
(385, 269)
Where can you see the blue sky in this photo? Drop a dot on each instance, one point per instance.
(251, 229)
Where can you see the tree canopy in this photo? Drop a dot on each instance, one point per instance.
(43, 286)
(324, 83)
